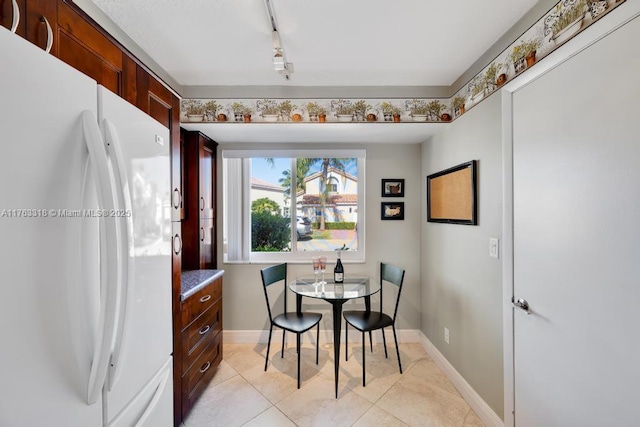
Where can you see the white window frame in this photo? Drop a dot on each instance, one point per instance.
(236, 196)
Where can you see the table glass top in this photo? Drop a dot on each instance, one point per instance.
(353, 287)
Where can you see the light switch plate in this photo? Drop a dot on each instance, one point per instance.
(494, 247)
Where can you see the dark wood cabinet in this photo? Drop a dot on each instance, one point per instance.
(176, 286)
(177, 167)
(199, 229)
(84, 46)
(37, 21)
(201, 343)
(207, 158)
(10, 10)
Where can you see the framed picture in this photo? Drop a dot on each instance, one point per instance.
(392, 211)
(451, 195)
(393, 188)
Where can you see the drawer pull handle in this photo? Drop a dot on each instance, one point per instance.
(205, 298)
(204, 329)
(177, 244)
(201, 234)
(177, 198)
(205, 367)
(202, 203)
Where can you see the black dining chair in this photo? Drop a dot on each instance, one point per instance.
(295, 322)
(368, 320)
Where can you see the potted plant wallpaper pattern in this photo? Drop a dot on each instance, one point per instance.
(563, 22)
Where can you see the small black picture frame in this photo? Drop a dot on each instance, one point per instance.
(392, 211)
(393, 188)
(452, 195)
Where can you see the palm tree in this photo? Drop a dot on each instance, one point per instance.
(326, 163)
(302, 169)
(303, 165)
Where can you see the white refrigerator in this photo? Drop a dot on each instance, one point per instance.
(85, 253)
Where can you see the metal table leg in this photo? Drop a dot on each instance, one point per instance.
(337, 327)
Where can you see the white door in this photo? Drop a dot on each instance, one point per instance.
(49, 253)
(139, 151)
(576, 163)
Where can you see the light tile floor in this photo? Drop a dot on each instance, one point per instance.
(242, 394)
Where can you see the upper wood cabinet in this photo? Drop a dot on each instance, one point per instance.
(37, 20)
(83, 46)
(198, 227)
(207, 159)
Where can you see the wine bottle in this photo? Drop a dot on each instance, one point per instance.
(338, 271)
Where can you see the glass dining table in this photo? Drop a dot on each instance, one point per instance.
(336, 294)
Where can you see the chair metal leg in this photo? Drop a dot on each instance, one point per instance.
(282, 354)
(363, 354)
(317, 342)
(346, 341)
(298, 348)
(384, 342)
(266, 358)
(397, 350)
(370, 342)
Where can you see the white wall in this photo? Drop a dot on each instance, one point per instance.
(461, 284)
(395, 242)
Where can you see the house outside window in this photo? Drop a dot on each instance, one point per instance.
(261, 195)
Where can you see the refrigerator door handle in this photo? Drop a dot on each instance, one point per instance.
(125, 229)
(16, 16)
(109, 253)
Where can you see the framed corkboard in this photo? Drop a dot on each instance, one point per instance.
(451, 195)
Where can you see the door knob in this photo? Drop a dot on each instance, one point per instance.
(522, 304)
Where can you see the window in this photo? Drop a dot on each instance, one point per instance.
(272, 214)
(332, 185)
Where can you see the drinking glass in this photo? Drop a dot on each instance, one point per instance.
(323, 267)
(316, 269)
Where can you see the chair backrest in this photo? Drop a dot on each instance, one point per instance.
(395, 276)
(270, 276)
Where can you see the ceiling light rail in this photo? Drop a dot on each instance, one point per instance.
(280, 63)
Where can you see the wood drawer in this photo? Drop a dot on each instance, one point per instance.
(195, 381)
(196, 337)
(197, 303)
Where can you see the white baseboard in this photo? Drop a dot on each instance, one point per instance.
(326, 336)
(479, 406)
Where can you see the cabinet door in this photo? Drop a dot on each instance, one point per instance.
(207, 159)
(7, 13)
(39, 14)
(34, 15)
(177, 164)
(176, 285)
(207, 243)
(153, 98)
(87, 49)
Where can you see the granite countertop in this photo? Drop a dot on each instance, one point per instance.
(194, 280)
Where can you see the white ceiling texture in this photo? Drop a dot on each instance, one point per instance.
(329, 42)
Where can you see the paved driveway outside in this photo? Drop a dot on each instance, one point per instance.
(338, 238)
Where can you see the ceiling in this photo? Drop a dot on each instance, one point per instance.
(330, 42)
